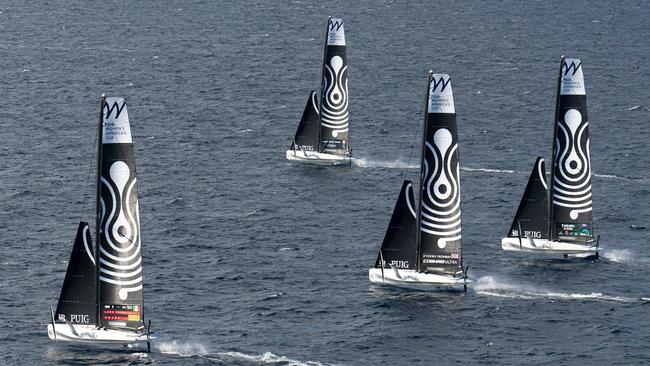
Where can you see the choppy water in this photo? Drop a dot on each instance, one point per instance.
(251, 260)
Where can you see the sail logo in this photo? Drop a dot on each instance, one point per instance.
(442, 82)
(441, 98)
(440, 197)
(334, 100)
(79, 318)
(528, 234)
(108, 110)
(120, 260)
(116, 122)
(335, 25)
(335, 32)
(572, 178)
(400, 264)
(76, 318)
(574, 67)
(572, 79)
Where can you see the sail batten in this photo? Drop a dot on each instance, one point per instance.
(570, 214)
(439, 237)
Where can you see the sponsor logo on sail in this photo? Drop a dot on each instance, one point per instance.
(439, 82)
(335, 24)
(115, 107)
(528, 234)
(571, 67)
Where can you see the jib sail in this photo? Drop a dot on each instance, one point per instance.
(78, 297)
(399, 247)
(531, 217)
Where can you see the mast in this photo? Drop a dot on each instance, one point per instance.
(551, 234)
(100, 138)
(322, 81)
(424, 137)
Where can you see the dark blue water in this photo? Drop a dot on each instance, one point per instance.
(251, 260)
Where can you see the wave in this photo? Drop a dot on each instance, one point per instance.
(490, 286)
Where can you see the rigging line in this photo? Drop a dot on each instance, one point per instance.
(89, 174)
(417, 133)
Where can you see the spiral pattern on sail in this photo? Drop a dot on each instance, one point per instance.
(440, 215)
(119, 257)
(572, 182)
(334, 109)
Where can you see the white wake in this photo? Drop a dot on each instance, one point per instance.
(266, 358)
(487, 170)
(624, 256)
(618, 255)
(390, 164)
(491, 286)
(194, 349)
(400, 164)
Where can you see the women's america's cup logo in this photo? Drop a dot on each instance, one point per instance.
(572, 77)
(116, 122)
(335, 32)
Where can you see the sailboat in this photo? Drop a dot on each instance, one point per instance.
(101, 300)
(323, 133)
(422, 249)
(557, 218)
